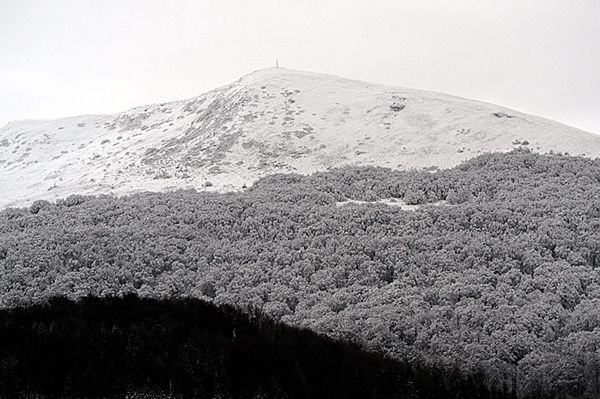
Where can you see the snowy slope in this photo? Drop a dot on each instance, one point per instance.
(273, 120)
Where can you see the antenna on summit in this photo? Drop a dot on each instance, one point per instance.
(276, 62)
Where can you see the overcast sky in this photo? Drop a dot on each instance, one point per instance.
(66, 57)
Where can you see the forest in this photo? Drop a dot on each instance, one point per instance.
(499, 282)
(188, 348)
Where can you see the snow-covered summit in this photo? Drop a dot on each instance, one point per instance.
(272, 120)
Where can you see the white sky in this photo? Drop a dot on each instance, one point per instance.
(66, 57)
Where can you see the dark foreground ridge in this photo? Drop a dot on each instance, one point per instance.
(190, 348)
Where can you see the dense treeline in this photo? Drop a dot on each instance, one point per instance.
(188, 348)
(501, 281)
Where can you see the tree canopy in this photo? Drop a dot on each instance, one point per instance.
(502, 280)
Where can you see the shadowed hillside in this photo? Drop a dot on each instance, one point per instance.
(190, 349)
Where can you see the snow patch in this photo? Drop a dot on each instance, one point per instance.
(392, 202)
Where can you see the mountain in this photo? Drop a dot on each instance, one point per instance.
(272, 120)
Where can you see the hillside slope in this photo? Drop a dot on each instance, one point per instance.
(502, 279)
(273, 120)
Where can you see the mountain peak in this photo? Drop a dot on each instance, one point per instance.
(283, 76)
(270, 72)
(270, 121)
(266, 73)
